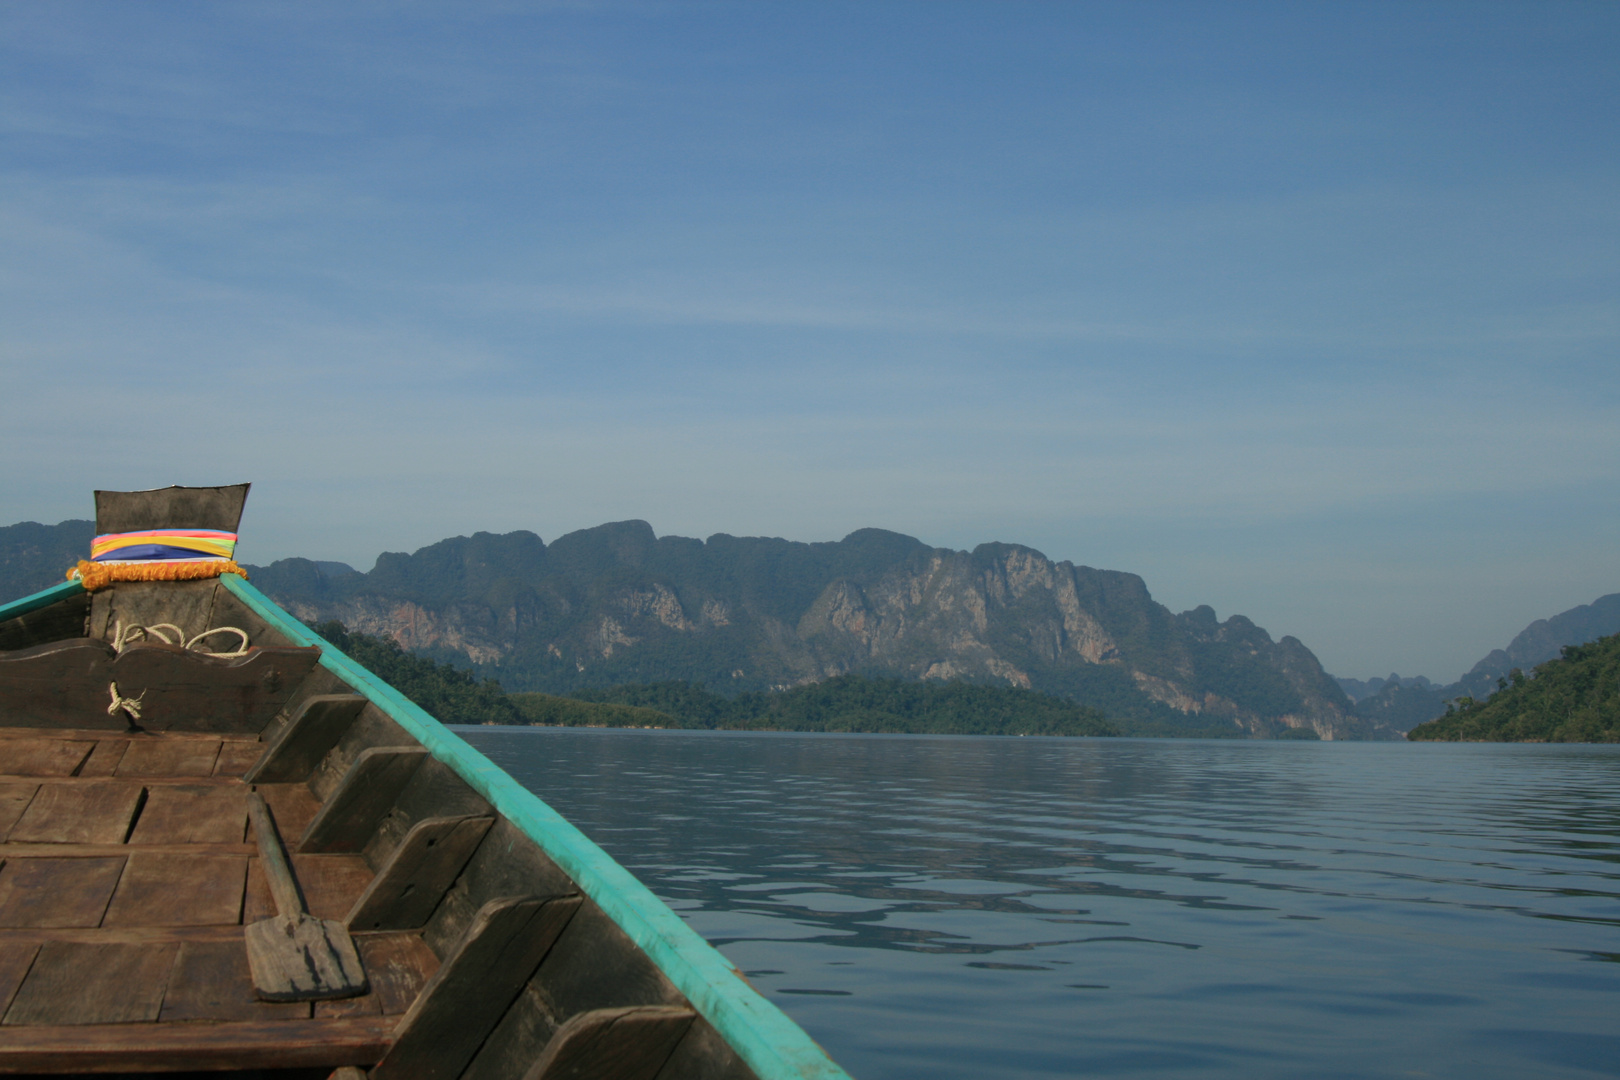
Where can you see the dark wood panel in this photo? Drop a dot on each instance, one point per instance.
(371, 729)
(104, 759)
(43, 757)
(211, 981)
(434, 792)
(507, 863)
(66, 684)
(467, 996)
(631, 1043)
(16, 957)
(14, 799)
(179, 890)
(517, 1041)
(299, 745)
(595, 965)
(704, 1055)
(187, 604)
(133, 935)
(88, 812)
(349, 817)
(329, 884)
(63, 619)
(276, 1044)
(56, 892)
(236, 756)
(70, 983)
(397, 965)
(293, 806)
(157, 757)
(408, 888)
(192, 814)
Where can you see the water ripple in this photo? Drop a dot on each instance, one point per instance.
(960, 907)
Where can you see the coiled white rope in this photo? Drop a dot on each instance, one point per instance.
(123, 636)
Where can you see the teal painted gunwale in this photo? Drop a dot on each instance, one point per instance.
(44, 598)
(762, 1035)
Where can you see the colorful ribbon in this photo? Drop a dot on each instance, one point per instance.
(163, 544)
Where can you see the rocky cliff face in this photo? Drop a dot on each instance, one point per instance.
(617, 604)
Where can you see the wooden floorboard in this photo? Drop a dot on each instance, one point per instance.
(330, 884)
(75, 983)
(39, 851)
(87, 812)
(43, 893)
(179, 890)
(14, 799)
(271, 1044)
(104, 759)
(16, 957)
(192, 814)
(236, 756)
(45, 757)
(129, 935)
(211, 981)
(170, 758)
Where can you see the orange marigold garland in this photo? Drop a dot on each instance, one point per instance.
(99, 575)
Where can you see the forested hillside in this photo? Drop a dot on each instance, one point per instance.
(1575, 698)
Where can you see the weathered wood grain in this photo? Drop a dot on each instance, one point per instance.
(397, 966)
(466, 997)
(16, 957)
(329, 883)
(434, 792)
(630, 1043)
(350, 814)
(300, 744)
(104, 759)
(43, 757)
(135, 935)
(14, 799)
(88, 812)
(178, 890)
(56, 892)
(173, 507)
(192, 814)
(507, 863)
(65, 684)
(595, 965)
(410, 885)
(293, 805)
(211, 981)
(187, 604)
(64, 619)
(158, 756)
(71, 983)
(703, 1055)
(236, 756)
(373, 728)
(517, 1040)
(186, 1048)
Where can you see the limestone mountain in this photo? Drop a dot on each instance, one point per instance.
(617, 604)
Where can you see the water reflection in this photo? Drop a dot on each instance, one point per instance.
(1042, 907)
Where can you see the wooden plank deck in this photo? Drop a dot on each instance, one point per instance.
(127, 874)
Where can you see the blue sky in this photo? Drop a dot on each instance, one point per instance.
(1304, 311)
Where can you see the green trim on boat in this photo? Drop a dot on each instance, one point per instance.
(773, 1046)
(43, 598)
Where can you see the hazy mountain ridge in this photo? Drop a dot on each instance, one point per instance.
(1404, 703)
(617, 604)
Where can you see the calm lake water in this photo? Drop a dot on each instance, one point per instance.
(937, 907)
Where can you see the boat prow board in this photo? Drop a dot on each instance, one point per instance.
(497, 940)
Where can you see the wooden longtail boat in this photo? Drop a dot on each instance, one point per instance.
(496, 940)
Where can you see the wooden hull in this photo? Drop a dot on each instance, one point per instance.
(498, 941)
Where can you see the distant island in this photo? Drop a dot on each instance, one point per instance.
(1575, 698)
